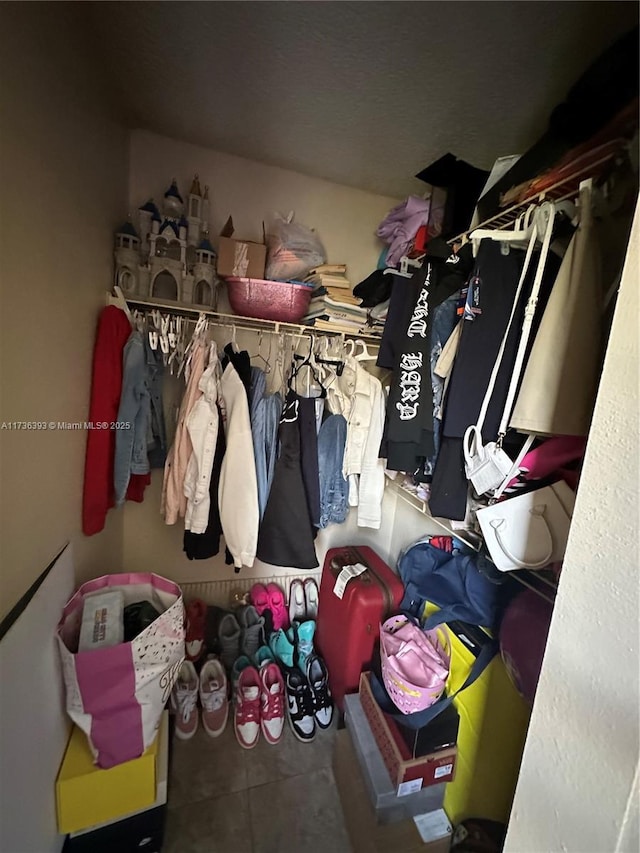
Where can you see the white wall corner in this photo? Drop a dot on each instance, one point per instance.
(581, 755)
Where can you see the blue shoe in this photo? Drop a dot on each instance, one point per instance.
(282, 648)
(239, 664)
(263, 656)
(305, 632)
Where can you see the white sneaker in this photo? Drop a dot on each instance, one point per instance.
(213, 697)
(246, 715)
(184, 699)
(272, 703)
(297, 606)
(300, 707)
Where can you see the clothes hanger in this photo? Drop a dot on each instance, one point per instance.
(397, 272)
(326, 359)
(528, 227)
(265, 361)
(234, 342)
(349, 347)
(520, 233)
(307, 361)
(365, 355)
(199, 335)
(121, 302)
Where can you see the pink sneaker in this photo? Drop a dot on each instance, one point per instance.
(277, 606)
(184, 698)
(213, 697)
(259, 597)
(272, 703)
(246, 717)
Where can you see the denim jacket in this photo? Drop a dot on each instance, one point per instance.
(265, 410)
(334, 489)
(131, 442)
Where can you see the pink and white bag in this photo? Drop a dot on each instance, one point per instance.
(415, 663)
(116, 695)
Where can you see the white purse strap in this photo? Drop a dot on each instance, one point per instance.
(498, 523)
(515, 467)
(473, 435)
(547, 209)
(496, 367)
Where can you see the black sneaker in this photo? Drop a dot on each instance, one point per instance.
(318, 678)
(300, 706)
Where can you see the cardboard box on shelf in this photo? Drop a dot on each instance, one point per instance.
(365, 834)
(432, 769)
(241, 258)
(86, 795)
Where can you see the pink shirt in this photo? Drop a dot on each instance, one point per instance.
(174, 502)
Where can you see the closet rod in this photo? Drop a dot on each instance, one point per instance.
(272, 327)
(563, 189)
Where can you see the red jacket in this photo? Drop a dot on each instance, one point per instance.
(106, 387)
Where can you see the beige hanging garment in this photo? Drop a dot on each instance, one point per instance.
(561, 377)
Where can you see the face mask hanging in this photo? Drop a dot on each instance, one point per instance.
(487, 466)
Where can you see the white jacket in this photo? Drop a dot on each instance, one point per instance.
(359, 397)
(238, 489)
(202, 426)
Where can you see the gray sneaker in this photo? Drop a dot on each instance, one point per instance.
(229, 635)
(252, 627)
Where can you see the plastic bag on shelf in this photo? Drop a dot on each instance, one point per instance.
(292, 249)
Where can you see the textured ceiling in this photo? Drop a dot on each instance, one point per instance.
(363, 93)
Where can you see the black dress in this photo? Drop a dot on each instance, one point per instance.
(286, 533)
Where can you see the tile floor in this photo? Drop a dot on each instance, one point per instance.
(270, 799)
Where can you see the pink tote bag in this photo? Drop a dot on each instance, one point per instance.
(116, 695)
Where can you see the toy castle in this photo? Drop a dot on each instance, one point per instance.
(169, 256)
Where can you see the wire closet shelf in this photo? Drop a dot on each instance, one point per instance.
(564, 188)
(218, 318)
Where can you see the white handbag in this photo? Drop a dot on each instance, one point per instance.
(528, 531)
(487, 466)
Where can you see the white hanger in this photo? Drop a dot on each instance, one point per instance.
(397, 272)
(121, 302)
(520, 233)
(365, 355)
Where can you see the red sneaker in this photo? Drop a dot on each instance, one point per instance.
(195, 620)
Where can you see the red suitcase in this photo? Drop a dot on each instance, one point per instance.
(348, 628)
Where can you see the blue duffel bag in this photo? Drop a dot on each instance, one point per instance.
(457, 583)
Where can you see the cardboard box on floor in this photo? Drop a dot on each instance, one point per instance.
(240, 258)
(365, 834)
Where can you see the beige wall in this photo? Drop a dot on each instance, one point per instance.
(578, 788)
(346, 220)
(62, 190)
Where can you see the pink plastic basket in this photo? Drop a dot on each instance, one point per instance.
(269, 300)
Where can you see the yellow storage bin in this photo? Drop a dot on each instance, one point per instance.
(87, 795)
(493, 727)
